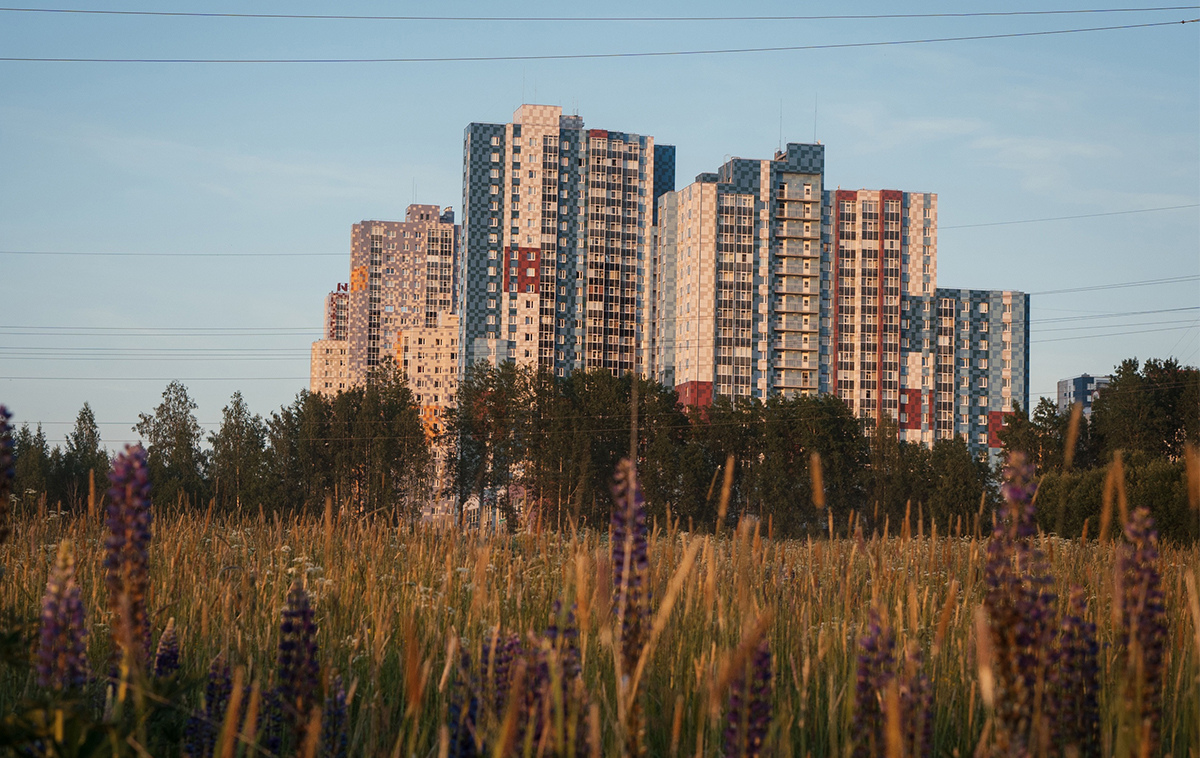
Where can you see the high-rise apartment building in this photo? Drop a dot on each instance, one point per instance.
(1083, 389)
(761, 282)
(882, 252)
(735, 280)
(401, 276)
(556, 228)
(337, 305)
(328, 372)
(979, 368)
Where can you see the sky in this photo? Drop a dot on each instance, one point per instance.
(243, 160)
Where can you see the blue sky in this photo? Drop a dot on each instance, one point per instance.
(282, 158)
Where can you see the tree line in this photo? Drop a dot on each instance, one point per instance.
(1142, 423)
(545, 447)
(366, 447)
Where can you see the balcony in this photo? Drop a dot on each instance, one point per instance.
(796, 229)
(783, 194)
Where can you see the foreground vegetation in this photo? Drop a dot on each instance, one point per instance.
(405, 616)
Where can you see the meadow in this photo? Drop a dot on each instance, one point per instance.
(406, 616)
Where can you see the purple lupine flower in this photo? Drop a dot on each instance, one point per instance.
(166, 656)
(1143, 620)
(916, 704)
(7, 473)
(1074, 683)
(748, 715)
(299, 669)
(1020, 611)
(463, 713)
(876, 669)
(335, 738)
(127, 552)
(631, 598)
(200, 731)
(497, 666)
(563, 635)
(62, 648)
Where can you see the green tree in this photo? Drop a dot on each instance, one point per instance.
(83, 455)
(236, 465)
(1152, 409)
(32, 466)
(173, 437)
(961, 483)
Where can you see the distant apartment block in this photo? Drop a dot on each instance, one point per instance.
(401, 279)
(1083, 389)
(881, 247)
(981, 366)
(401, 276)
(556, 232)
(328, 371)
(428, 356)
(734, 289)
(337, 305)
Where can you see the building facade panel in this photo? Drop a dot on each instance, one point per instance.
(557, 220)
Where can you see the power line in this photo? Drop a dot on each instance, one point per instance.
(1143, 283)
(1111, 315)
(1067, 218)
(156, 378)
(1113, 334)
(1110, 326)
(164, 255)
(571, 19)
(595, 56)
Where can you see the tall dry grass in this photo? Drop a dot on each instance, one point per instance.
(390, 599)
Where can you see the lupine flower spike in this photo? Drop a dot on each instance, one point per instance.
(748, 715)
(166, 657)
(876, 669)
(1020, 611)
(200, 732)
(62, 648)
(7, 474)
(299, 669)
(1075, 710)
(631, 590)
(630, 563)
(335, 741)
(127, 550)
(1143, 625)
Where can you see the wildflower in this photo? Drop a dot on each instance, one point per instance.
(62, 649)
(630, 563)
(498, 656)
(126, 561)
(565, 639)
(7, 472)
(1143, 622)
(335, 742)
(299, 668)
(200, 732)
(1019, 610)
(1074, 709)
(463, 714)
(749, 713)
(916, 704)
(876, 669)
(166, 657)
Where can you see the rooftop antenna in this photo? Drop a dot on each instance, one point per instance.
(815, 118)
(780, 148)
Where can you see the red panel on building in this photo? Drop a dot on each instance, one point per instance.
(910, 406)
(524, 279)
(598, 133)
(996, 422)
(699, 394)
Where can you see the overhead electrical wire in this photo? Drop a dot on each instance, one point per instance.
(597, 56)
(1122, 285)
(573, 19)
(1068, 218)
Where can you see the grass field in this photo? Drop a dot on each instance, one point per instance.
(391, 600)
